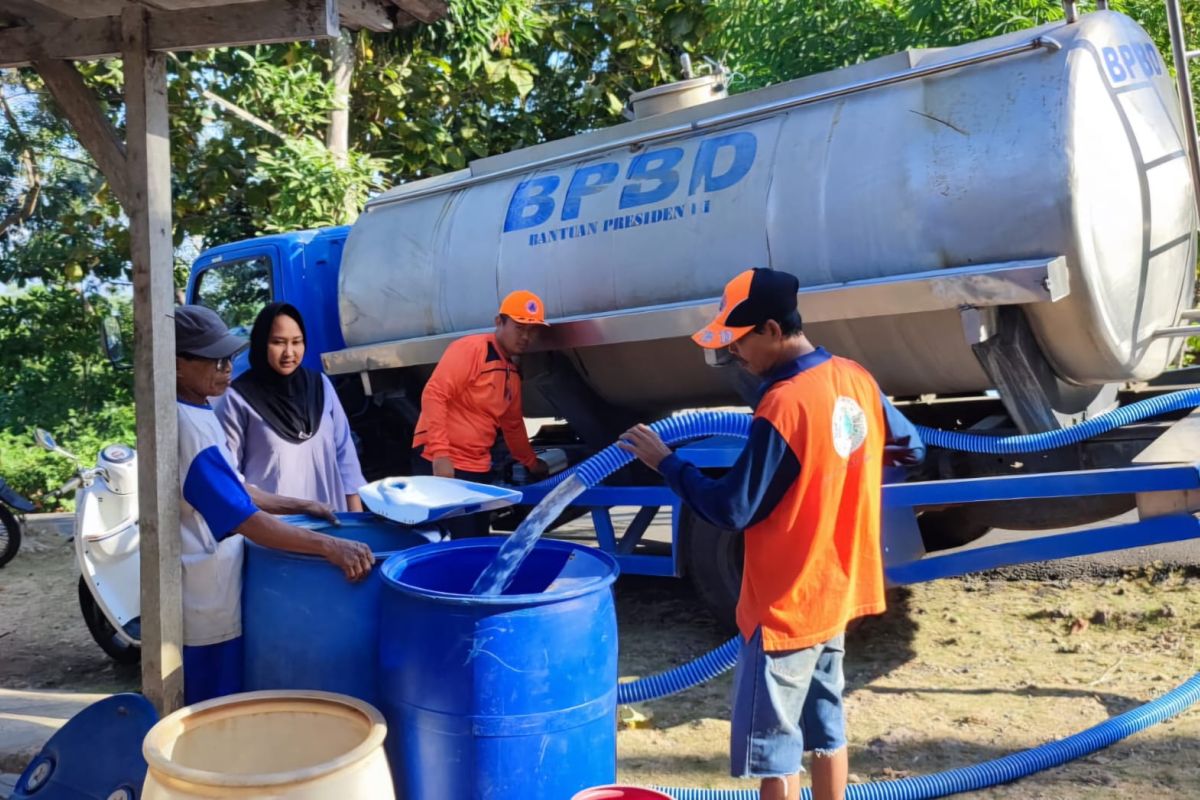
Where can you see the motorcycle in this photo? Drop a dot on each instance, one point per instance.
(12, 509)
(106, 546)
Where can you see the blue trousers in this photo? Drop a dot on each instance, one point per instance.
(212, 670)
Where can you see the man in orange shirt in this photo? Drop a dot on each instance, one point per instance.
(475, 390)
(806, 491)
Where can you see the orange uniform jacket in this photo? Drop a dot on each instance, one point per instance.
(806, 490)
(474, 390)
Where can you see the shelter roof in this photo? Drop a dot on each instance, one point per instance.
(87, 29)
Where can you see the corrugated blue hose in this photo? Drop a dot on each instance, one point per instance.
(999, 770)
(1034, 442)
(674, 430)
(683, 427)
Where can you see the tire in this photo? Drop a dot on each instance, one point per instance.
(103, 631)
(10, 535)
(713, 560)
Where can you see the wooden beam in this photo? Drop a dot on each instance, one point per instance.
(178, 5)
(86, 8)
(149, 159)
(424, 10)
(374, 15)
(30, 11)
(91, 125)
(194, 29)
(243, 24)
(71, 40)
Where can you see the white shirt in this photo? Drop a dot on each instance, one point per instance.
(213, 503)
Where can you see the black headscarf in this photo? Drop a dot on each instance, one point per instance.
(290, 404)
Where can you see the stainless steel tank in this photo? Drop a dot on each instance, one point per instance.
(1040, 152)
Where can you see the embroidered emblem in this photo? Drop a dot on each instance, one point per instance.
(849, 426)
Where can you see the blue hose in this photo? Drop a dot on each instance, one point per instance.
(999, 770)
(1031, 442)
(979, 776)
(672, 430)
(712, 423)
(685, 676)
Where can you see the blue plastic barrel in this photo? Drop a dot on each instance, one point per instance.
(305, 625)
(507, 697)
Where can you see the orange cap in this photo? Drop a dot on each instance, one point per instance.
(524, 307)
(718, 334)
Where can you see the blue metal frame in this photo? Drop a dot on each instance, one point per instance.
(904, 556)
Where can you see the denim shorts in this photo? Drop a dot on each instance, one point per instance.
(785, 704)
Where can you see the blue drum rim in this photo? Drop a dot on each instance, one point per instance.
(432, 550)
(348, 519)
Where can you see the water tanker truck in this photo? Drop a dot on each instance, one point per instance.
(1003, 233)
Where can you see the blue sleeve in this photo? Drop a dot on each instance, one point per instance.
(902, 445)
(213, 489)
(749, 491)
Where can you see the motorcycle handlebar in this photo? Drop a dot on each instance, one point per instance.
(76, 482)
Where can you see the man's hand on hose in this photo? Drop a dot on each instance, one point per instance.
(352, 558)
(645, 444)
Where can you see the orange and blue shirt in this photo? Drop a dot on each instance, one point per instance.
(806, 491)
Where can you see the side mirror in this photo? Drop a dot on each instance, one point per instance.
(44, 439)
(114, 345)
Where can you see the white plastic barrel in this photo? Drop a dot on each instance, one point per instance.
(283, 745)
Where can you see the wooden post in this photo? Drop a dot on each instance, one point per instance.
(149, 186)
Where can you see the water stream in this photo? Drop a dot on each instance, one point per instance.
(495, 579)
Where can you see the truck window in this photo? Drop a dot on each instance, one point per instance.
(236, 290)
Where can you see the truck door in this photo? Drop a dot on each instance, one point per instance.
(236, 286)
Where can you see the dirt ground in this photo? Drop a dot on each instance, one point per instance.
(955, 673)
(44, 643)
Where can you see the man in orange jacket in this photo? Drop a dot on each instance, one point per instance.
(475, 390)
(806, 491)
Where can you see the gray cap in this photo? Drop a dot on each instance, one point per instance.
(200, 332)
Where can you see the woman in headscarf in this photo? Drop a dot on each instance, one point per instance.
(285, 425)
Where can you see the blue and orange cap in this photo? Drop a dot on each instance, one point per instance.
(749, 300)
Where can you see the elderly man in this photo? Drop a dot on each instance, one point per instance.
(475, 390)
(806, 491)
(216, 509)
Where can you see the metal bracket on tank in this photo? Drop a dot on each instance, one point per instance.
(1032, 393)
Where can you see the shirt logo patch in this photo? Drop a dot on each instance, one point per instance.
(849, 426)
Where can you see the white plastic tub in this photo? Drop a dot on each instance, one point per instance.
(283, 745)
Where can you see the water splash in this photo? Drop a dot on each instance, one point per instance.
(500, 572)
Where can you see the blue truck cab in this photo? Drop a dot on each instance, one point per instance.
(236, 280)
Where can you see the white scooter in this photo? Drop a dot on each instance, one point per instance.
(106, 547)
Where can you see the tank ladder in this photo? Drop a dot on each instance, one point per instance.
(1183, 58)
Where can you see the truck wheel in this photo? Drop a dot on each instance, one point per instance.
(712, 558)
(10, 536)
(103, 631)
